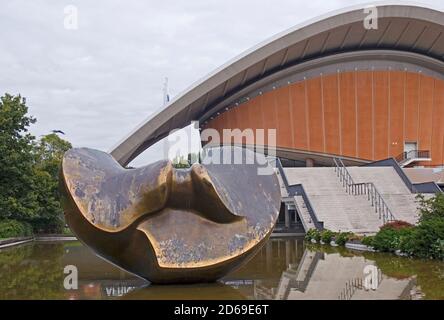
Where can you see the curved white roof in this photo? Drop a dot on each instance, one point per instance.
(410, 29)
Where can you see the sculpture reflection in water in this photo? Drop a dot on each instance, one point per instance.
(285, 268)
(172, 225)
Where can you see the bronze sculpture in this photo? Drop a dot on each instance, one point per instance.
(170, 225)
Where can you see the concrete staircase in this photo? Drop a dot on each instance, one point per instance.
(339, 210)
(301, 208)
(394, 191)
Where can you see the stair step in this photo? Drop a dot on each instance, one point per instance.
(342, 211)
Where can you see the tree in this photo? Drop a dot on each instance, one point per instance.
(180, 162)
(16, 160)
(48, 157)
(29, 169)
(49, 153)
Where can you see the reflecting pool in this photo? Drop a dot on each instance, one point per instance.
(286, 268)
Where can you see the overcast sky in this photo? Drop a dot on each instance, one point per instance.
(99, 81)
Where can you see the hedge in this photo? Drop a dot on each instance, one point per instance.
(14, 228)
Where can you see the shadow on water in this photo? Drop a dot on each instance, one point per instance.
(285, 268)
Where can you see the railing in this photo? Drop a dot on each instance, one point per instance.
(413, 154)
(298, 189)
(281, 171)
(305, 224)
(429, 187)
(395, 165)
(351, 286)
(364, 188)
(355, 284)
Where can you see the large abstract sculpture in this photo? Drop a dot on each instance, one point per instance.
(170, 225)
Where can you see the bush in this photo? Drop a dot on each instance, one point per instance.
(343, 237)
(313, 234)
(396, 225)
(355, 237)
(327, 236)
(437, 251)
(390, 239)
(368, 241)
(432, 208)
(426, 240)
(14, 228)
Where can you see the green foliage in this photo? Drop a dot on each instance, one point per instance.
(180, 162)
(391, 239)
(16, 160)
(426, 240)
(313, 234)
(342, 237)
(49, 153)
(431, 208)
(368, 241)
(48, 156)
(14, 228)
(437, 249)
(29, 169)
(327, 235)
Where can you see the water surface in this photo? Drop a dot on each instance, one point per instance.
(285, 268)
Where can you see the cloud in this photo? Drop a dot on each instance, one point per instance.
(98, 82)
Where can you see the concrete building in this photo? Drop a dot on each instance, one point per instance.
(330, 87)
(336, 87)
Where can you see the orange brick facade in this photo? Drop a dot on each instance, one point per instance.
(361, 114)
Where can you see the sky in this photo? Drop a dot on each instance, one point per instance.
(99, 76)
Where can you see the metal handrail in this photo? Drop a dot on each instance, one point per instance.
(429, 187)
(298, 189)
(363, 188)
(351, 286)
(355, 284)
(412, 154)
(298, 209)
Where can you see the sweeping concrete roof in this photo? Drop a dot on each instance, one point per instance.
(408, 33)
